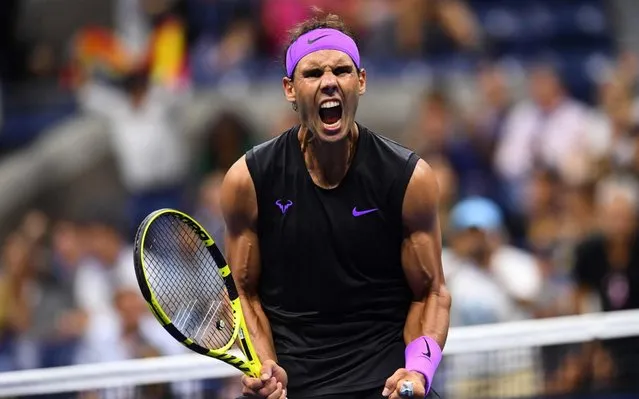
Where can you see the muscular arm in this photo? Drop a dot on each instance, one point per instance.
(239, 207)
(421, 259)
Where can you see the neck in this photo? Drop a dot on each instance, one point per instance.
(552, 103)
(500, 103)
(328, 163)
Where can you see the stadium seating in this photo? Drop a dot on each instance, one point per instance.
(574, 35)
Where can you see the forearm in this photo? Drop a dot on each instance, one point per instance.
(259, 328)
(425, 333)
(580, 299)
(429, 317)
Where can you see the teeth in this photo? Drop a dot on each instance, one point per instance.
(330, 104)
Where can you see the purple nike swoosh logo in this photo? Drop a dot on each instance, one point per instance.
(427, 353)
(357, 213)
(311, 41)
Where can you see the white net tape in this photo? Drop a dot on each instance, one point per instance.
(464, 340)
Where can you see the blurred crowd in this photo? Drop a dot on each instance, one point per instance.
(538, 192)
(179, 42)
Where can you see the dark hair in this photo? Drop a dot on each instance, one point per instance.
(319, 20)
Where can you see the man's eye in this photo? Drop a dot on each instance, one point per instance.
(314, 73)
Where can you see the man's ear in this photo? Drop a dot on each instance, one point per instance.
(289, 89)
(362, 81)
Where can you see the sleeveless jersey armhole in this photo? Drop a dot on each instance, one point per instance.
(254, 170)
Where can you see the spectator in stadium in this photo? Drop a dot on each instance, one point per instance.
(492, 283)
(433, 128)
(447, 183)
(613, 131)
(207, 208)
(492, 104)
(227, 139)
(108, 266)
(141, 118)
(60, 322)
(130, 333)
(607, 266)
(16, 280)
(438, 132)
(607, 263)
(542, 209)
(505, 280)
(21, 293)
(558, 216)
(547, 131)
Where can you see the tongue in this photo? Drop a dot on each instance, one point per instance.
(330, 115)
(331, 119)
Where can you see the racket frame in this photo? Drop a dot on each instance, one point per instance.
(251, 365)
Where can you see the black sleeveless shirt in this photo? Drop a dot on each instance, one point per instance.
(332, 284)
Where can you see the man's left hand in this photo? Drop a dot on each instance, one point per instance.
(393, 385)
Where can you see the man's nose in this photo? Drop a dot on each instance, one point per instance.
(329, 83)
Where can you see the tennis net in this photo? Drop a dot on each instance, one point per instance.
(589, 356)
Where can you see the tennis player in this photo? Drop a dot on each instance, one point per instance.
(333, 238)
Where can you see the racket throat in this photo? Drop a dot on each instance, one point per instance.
(245, 347)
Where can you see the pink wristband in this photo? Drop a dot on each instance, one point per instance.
(423, 356)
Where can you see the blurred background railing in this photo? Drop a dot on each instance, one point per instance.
(527, 110)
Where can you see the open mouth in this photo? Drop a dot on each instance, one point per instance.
(330, 112)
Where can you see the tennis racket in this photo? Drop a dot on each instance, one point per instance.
(187, 283)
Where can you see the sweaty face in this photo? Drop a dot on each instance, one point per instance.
(326, 88)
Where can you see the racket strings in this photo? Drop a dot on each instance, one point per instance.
(186, 283)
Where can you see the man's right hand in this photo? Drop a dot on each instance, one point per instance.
(271, 384)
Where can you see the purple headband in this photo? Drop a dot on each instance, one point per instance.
(320, 39)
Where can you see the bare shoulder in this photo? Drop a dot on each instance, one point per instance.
(237, 196)
(419, 208)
